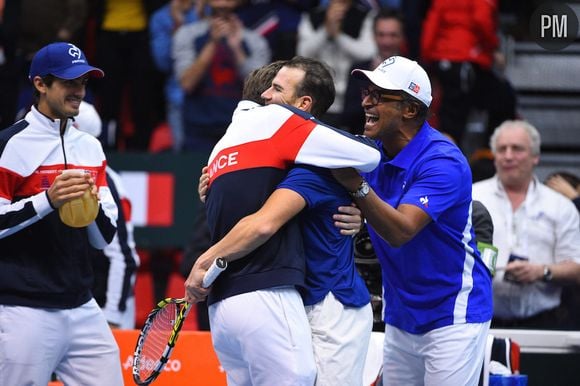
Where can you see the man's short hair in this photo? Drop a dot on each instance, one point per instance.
(260, 80)
(533, 134)
(317, 83)
(48, 80)
(388, 13)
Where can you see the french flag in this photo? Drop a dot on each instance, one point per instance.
(151, 195)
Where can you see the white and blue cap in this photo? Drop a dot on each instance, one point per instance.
(63, 60)
(400, 73)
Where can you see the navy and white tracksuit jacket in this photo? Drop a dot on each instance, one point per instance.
(247, 164)
(43, 262)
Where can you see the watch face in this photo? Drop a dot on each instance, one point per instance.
(363, 190)
(547, 274)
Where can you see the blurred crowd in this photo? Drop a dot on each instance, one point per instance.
(174, 69)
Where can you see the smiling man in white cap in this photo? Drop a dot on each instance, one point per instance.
(417, 202)
(49, 320)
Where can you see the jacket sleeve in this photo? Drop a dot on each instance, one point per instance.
(430, 27)
(18, 215)
(160, 33)
(485, 23)
(363, 47)
(258, 53)
(313, 143)
(310, 40)
(182, 49)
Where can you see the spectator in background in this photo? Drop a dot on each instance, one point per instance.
(9, 69)
(414, 12)
(536, 230)
(43, 22)
(567, 184)
(338, 33)
(212, 57)
(481, 164)
(277, 21)
(460, 39)
(115, 266)
(162, 26)
(126, 100)
(36, 24)
(389, 37)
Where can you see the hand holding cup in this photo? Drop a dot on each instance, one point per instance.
(75, 196)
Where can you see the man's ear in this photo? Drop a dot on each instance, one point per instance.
(410, 110)
(305, 103)
(39, 84)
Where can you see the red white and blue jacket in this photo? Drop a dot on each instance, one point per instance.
(43, 262)
(247, 164)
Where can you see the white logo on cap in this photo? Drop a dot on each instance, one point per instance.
(386, 63)
(74, 51)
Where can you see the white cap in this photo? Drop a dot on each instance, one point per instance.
(88, 119)
(400, 73)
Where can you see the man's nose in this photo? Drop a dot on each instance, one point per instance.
(266, 94)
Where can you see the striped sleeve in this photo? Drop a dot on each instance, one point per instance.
(315, 143)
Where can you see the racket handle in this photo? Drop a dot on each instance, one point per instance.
(212, 273)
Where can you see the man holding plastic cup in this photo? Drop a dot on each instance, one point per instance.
(54, 203)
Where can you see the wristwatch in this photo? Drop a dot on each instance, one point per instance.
(362, 191)
(547, 274)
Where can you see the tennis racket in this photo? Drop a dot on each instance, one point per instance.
(161, 329)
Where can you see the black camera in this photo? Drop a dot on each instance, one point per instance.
(369, 269)
(364, 252)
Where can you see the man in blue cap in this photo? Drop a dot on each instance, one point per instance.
(48, 317)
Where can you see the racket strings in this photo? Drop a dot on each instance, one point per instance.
(155, 342)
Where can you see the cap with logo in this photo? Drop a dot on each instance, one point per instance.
(400, 73)
(63, 60)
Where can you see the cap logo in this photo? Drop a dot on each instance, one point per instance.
(414, 87)
(385, 63)
(75, 52)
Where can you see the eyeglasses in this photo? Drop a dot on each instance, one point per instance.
(376, 97)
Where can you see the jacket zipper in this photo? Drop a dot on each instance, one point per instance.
(63, 151)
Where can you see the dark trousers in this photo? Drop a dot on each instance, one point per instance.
(128, 67)
(466, 86)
